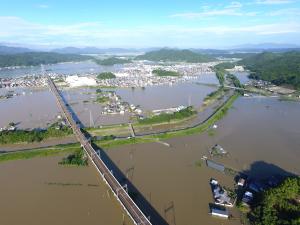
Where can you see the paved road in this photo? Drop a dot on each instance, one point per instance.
(119, 191)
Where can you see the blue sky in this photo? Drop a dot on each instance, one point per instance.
(172, 23)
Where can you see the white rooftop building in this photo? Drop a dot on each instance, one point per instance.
(75, 81)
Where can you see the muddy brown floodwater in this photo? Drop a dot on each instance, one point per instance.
(261, 136)
(37, 108)
(39, 191)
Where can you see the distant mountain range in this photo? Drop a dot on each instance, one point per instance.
(6, 50)
(246, 48)
(95, 50)
(38, 58)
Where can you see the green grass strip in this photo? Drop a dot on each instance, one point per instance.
(41, 152)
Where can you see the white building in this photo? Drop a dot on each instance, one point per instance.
(75, 81)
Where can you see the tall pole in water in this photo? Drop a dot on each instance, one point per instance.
(91, 120)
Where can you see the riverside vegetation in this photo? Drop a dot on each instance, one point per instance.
(77, 158)
(279, 205)
(29, 136)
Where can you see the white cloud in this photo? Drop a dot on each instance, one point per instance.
(233, 9)
(263, 29)
(96, 33)
(273, 2)
(223, 12)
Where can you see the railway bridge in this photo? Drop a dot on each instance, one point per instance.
(120, 192)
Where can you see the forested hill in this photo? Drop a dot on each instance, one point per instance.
(278, 68)
(173, 55)
(37, 58)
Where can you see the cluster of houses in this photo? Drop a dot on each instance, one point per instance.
(143, 81)
(137, 74)
(115, 105)
(140, 74)
(246, 192)
(221, 200)
(251, 187)
(26, 81)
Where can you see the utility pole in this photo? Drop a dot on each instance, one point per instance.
(91, 120)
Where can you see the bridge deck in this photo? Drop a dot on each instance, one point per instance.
(120, 193)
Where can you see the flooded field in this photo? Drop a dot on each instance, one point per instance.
(261, 136)
(39, 191)
(31, 109)
(37, 108)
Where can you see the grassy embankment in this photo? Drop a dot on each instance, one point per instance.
(41, 152)
(221, 91)
(213, 97)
